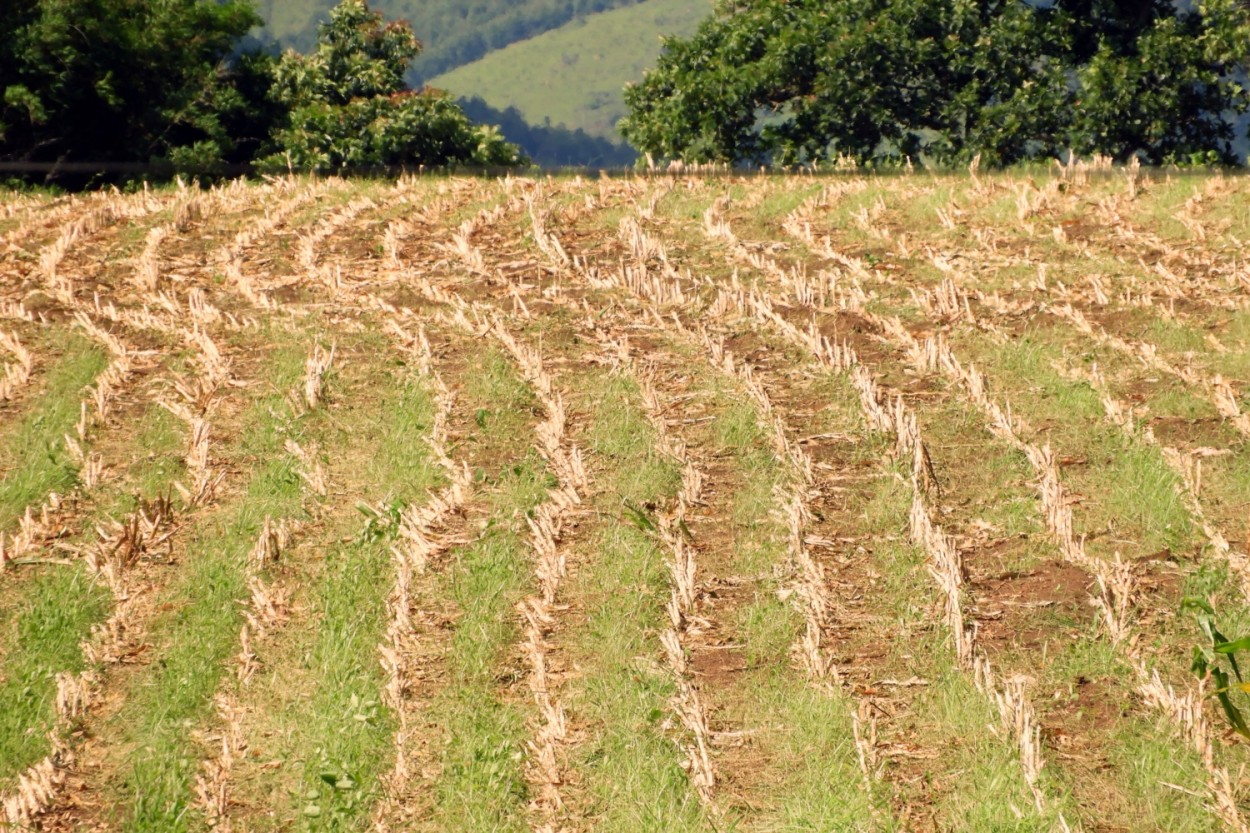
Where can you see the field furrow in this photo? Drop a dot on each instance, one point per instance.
(1116, 581)
(950, 519)
(671, 292)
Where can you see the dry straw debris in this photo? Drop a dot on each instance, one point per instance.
(798, 292)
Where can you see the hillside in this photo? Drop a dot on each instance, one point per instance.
(551, 147)
(573, 76)
(453, 32)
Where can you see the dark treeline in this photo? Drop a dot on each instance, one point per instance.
(164, 83)
(551, 147)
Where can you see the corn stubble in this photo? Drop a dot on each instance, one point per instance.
(524, 266)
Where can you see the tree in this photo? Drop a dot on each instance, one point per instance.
(124, 80)
(349, 106)
(796, 81)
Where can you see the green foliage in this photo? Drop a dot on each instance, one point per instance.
(349, 105)
(141, 81)
(800, 81)
(127, 80)
(1210, 659)
(358, 55)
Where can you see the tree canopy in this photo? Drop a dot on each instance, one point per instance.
(349, 106)
(143, 81)
(799, 81)
(122, 80)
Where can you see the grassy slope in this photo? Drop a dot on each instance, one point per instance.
(33, 457)
(574, 75)
(453, 32)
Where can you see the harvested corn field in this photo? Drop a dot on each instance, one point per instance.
(669, 504)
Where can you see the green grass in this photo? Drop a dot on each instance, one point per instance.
(823, 789)
(736, 431)
(1139, 490)
(503, 404)
(40, 634)
(156, 447)
(632, 777)
(33, 459)
(47, 612)
(922, 211)
(1151, 762)
(1139, 748)
(976, 782)
(1235, 364)
(628, 771)
(1124, 481)
(481, 785)
(573, 76)
(624, 437)
(194, 640)
(991, 793)
(1164, 198)
(806, 775)
(341, 734)
(998, 493)
(760, 536)
(196, 643)
(481, 782)
(1176, 399)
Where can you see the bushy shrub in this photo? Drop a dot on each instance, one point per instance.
(349, 106)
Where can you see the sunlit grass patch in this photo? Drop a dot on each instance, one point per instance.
(628, 771)
(340, 735)
(629, 766)
(197, 634)
(340, 731)
(195, 642)
(821, 786)
(33, 457)
(481, 782)
(991, 793)
(623, 436)
(40, 636)
(1124, 481)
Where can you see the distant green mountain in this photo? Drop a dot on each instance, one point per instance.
(454, 32)
(572, 76)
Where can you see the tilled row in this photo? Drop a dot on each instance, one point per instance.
(1114, 579)
(896, 419)
(120, 545)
